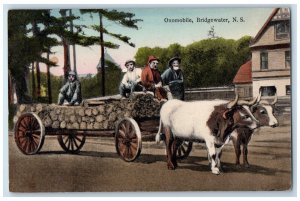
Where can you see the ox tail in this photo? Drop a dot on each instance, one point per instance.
(157, 137)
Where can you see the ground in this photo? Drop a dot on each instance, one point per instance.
(98, 168)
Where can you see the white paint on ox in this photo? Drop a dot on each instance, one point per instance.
(188, 119)
(234, 135)
(272, 120)
(250, 118)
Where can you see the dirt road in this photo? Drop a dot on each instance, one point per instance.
(99, 169)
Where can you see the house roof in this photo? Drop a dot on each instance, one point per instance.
(244, 74)
(263, 28)
(107, 58)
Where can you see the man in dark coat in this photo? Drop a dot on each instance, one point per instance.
(173, 79)
(71, 91)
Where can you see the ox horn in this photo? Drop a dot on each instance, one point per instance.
(259, 96)
(234, 102)
(261, 101)
(249, 103)
(275, 99)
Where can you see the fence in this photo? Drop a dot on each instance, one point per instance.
(207, 93)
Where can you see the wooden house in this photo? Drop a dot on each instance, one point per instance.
(271, 55)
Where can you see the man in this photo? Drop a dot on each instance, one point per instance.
(173, 79)
(131, 80)
(151, 79)
(71, 91)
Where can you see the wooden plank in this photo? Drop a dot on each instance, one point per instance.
(90, 133)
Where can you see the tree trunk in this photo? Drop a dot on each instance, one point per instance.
(35, 31)
(67, 67)
(49, 82)
(102, 56)
(21, 89)
(38, 79)
(74, 49)
(10, 90)
(66, 59)
(33, 90)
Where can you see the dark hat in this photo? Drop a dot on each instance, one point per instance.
(173, 59)
(129, 61)
(152, 58)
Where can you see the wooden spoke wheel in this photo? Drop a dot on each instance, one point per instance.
(29, 133)
(184, 149)
(128, 139)
(71, 142)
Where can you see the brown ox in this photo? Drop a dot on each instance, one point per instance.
(263, 112)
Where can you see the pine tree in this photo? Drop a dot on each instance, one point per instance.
(121, 18)
(24, 47)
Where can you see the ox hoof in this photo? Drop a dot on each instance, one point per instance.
(238, 166)
(171, 167)
(221, 170)
(215, 171)
(246, 165)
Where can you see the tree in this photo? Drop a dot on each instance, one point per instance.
(164, 54)
(31, 33)
(142, 55)
(122, 18)
(209, 62)
(212, 33)
(25, 48)
(213, 62)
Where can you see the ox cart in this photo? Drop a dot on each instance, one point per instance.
(129, 121)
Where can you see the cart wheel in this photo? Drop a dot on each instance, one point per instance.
(29, 133)
(184, 149)
(128, 139)
(71, 143)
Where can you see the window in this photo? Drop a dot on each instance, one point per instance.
(282, 30)
(287, 59)
(288, 89)
(263, 60)
(268, 91)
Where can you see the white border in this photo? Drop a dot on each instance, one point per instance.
(225, 195)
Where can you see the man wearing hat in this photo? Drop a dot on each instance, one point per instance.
(151, 79)
(71, 91)
(131, 79)
(173, 79)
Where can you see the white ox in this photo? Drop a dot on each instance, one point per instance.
(211, 121)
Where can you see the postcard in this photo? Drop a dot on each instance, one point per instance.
(150, 99)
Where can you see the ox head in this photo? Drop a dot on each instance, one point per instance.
(240, 114)
(264, 112)
(236, 114)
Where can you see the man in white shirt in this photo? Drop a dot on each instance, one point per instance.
(131, 79)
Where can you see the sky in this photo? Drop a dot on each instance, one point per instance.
(155, 31)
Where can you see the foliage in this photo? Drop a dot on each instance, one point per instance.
(31, 33)
(164, 54)
(122, 18)
(119, 17)
(56, 83)
(209, 62)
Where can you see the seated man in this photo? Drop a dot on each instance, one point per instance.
(173, 79)
(71, 91)
(131, 80)
(151, 79)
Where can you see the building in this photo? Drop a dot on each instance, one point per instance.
(243, 81)
(271, 57)
(109, 61)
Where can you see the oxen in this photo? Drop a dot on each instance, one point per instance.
(211, 121)
(263, 112)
